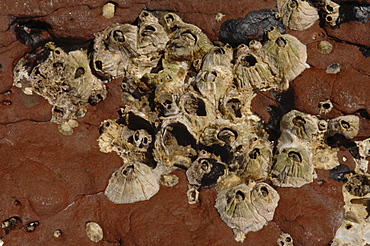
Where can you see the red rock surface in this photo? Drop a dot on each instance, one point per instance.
(58, 180)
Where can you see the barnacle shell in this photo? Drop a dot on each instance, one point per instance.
(325, 106)
(132, 182)
(94, 231)
(285, 240)
(228, 182)
(251, 72)
(113, 49)
(303, 126)
(324, 47)
(243, 208)
(364, 147)
(293, 167)
(325, 157)
(108, 10)
(187, 42)
(286, 56)
(331, 12)
(347, 126)
(169, 180)
(205, 172)
(66, 81)
(193, 194)
(297, 14)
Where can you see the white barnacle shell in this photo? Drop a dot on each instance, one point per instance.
(324, 157)
(293, 167)
(297, 14)
(251, 72)
(132, 182)
(302, 125)
(243, 208)
(285, 240)
(113, 48)
(347, 126)
(286, 56)
(94, 231)
(364, 147)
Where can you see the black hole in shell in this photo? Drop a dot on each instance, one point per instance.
(220, 51)
(326, 105)
(98, 65)
(295, 156)
(293, 4)
(234, 106)
(288, 239)
(128, 170)
(299, 121)
(254, 153)
(249, 61)
(329, 8)
(264, 191)
(79, 72)
(118, 36)
(348, 227)
(329, 18)
(239, 196)
(57, 52)
(345, 124)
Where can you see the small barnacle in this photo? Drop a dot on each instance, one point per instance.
(293, 167)
(324, 47)
(285, 240)
(286, 56)
(347, 126)
(303, 126)
(297, 14)
(331, 12)
(57, 233)
(168, 103)
(325, 106)
(30, 227)
(237, 208)
(169, 180)
(11, 224)
(94, 231)
(142, 139)
(251, 72)
(193, 194)
(132, 182)
(364, 147)
(255, 45)
(205, 172)
(333, 68)
(219, 17)
(218, 56)
(108, 10)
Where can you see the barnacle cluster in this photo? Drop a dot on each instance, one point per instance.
(188, 105)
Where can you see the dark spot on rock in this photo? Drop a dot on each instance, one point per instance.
(338, 172)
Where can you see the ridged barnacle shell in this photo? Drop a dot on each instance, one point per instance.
(324, 157)
(236, 105)
(65, 80)
(251, 72)
(297, 14)
(347, 126)
(286, 56)
(113, 49)
(187, 42)
(302, 125)
(205, 172)
(257, 160)
(293, 167)
(132, 182)
(246, 209)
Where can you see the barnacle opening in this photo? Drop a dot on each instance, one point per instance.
(281, 42)
(239, 196)
(295, 156)
(358, 185)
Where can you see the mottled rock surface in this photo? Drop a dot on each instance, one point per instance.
(59, 180)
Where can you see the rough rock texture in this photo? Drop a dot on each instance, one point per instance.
(58, 180)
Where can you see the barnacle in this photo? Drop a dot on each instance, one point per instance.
(331, 12)
(347, 126)
(65, 80)
(303, 126)
(246, 209)
(251, 72)
(297, 14)
(325, 106)
(285, 240)
(324, 47)
(286, 56)
(293, 167)
(132, 182)
(94, 231)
